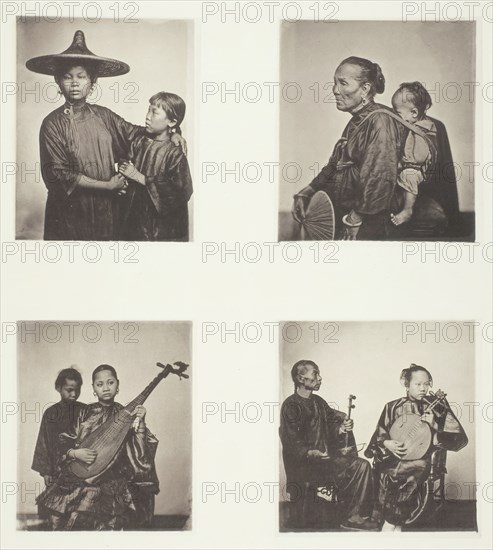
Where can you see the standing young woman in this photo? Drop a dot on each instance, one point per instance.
(107, 502)
(79, 145)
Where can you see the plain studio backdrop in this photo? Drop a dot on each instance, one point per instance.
(367, 361)
(440, 55)
(160, 56)
(133, 350)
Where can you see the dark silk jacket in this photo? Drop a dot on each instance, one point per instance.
(308, 424)
(362, 172)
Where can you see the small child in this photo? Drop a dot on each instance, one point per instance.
(410, 102)
(159, 210)
(56, 420)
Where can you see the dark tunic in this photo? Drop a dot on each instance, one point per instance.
(362, 172)
(85, 141)
(309, 424)
(107, 502)
(159, 210)
(56, 420)
(409, 474)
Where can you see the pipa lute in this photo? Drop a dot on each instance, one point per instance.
(108, 438)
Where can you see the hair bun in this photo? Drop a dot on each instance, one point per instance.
(379, 79)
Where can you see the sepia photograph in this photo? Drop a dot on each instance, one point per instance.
(105, 133)
(250, 381)
(375, 428)
(377, 134)
(106, 444)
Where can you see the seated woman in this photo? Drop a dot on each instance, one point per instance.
(401, 478)
(107, 503)
(361, 175)
(362, 172)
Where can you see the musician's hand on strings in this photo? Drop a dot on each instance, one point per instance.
(139, 412)
(346, 426)
(88, 456)
(428, 418)
(315, 453)
(395, 447)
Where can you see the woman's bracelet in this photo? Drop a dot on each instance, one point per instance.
(345, 222)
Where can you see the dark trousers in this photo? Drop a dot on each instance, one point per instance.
(398, 491)
(354, 479)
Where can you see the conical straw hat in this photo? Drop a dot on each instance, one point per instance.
(77, 52)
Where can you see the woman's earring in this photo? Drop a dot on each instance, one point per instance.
(94, 393)
(117, 391)
(363, 101)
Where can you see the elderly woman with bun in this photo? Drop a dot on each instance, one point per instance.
(361, 174)
(79, 146)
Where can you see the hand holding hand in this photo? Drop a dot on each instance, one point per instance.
(127, 169)
(117, 183)
(395, 447)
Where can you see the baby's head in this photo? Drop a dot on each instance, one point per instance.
(411, 101)
(68, 384)
(166, 113)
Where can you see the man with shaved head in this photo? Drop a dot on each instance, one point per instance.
(314, 437)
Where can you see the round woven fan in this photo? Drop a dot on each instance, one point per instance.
(319, 222)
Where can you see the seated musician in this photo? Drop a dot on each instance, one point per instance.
(400, 478)
(313, 437)
(106, 501)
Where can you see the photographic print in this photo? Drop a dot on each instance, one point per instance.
(106, 133)
(107, 442)
(375, 427)
(377, 131)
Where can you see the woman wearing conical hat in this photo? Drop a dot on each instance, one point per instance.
(79, 145)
